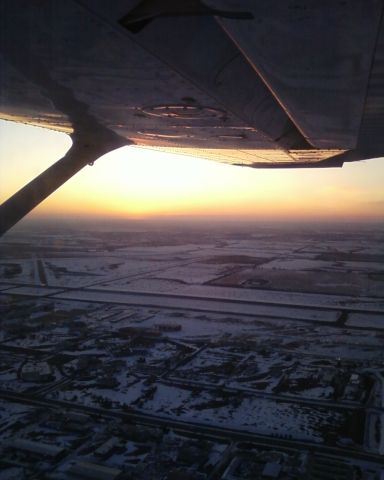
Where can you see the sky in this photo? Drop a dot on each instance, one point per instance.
(134, 183)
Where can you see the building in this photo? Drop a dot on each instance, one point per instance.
(35, 448)
(168, 327)
(35, 371)
(271, 470)
(93, 471)
(107, 448)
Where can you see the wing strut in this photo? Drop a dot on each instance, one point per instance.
(86, 148)
(91, 139)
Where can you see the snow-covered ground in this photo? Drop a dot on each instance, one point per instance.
(6, 286)
(33, 291)
(366, 320)
(250, 295)
(208, 304)
(267, 332)
(259, 415)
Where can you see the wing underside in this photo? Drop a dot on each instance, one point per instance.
(257, 83)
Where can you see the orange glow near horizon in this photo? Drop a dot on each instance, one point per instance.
(137, 183)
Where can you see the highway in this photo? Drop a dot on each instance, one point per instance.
(228, 434)
(256, 309)
(312, 402)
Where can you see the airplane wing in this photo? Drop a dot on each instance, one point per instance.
(260, 83)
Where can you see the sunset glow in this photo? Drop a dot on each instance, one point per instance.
(137, 183)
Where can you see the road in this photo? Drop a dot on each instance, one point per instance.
(278, 397)
(228, 434)
(255, 309)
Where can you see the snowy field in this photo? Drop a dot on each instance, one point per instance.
(211, 305)
(241, 412)
(275, 332)
(364, 320)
